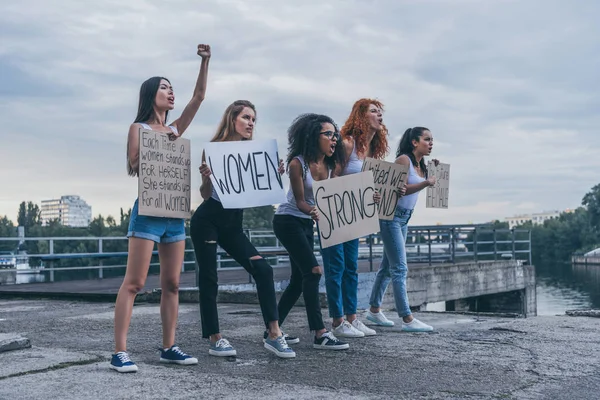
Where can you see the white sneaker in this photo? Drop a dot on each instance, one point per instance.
(379, 319)
(416, 326)
(359, 326)
(347, 330)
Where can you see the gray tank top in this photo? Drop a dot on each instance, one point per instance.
(290, 207)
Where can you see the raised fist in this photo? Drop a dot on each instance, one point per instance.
(204, 50)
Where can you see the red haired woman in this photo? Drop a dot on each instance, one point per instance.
(364, 135)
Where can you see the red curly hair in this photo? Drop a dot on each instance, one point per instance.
(357, 127)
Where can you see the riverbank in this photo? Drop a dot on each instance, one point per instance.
(467, 357)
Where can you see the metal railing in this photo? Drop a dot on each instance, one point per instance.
(62, 256)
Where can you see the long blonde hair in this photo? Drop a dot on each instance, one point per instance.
(227, 125)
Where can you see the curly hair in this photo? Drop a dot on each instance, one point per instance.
(357, 127)
(406, 147)
(303, 140)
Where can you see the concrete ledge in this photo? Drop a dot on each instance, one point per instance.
(8, 276)
(10, 341)
(584, 313)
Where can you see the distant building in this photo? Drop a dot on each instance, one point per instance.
(68, 210)
(536, 218)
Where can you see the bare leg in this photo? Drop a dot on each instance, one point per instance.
(171, 258)
(138, 262)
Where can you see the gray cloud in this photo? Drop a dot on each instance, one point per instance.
(507, 88)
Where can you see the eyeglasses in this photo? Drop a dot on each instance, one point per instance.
(331, 135)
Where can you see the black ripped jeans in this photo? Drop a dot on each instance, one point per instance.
(296, 235)
(211, 224)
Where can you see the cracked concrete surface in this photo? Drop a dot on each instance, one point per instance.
(467, 357)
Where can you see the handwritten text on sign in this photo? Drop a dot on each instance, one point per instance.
(437, 195)
(245, 173)
(346, 208)
(389, 178)
(164, 178)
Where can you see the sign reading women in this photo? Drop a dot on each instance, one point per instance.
(245, 173)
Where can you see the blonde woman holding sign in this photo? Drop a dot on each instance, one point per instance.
(416, 143)
(364, 135)
(315, 148)
(213, 225)
(156, 100)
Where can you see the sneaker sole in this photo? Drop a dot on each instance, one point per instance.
(417, 330)
(352, 335)
(228, 353)
(279, 353)
(380, 323)
(293, 341)
(124, 369)
(188, 361)
(331, 347)
(370, 334)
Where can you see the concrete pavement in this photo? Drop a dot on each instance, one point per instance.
(467, 357)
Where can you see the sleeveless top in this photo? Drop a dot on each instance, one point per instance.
(354, 164)
(290, 207)
(409, 201)
(146, 126)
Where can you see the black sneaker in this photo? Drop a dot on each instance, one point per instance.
(329, 342)
(289, 339)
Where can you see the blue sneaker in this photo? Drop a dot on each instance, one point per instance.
(121, 362)
(289, 339)
(280, 347)
(174, 355)
(221, 348)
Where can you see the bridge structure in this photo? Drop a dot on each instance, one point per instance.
(471, 268)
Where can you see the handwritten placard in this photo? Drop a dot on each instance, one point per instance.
(346, 208)
(164, 175)
(437, 195)
(389, 178)
(245, 173)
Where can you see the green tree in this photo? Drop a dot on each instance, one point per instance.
(29, 215)
(7, 229)
(592, 202)
(260, 218)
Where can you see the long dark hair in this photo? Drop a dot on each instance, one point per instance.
(146, 109)
(226, 127)
(406, 147)
(147, 97)
(303, 140)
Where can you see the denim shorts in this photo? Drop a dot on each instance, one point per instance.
(157, 229)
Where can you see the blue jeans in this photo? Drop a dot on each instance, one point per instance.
(340, 264)
(393, 265)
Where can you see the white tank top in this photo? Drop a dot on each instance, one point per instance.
(146, 126)
(354, 164)
(409, 201)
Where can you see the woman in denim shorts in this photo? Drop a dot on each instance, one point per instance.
(156, 100)
(415, 144)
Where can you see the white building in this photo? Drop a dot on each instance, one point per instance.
(536, 218)
(68, 210)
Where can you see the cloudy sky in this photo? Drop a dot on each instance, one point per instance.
(506, 87)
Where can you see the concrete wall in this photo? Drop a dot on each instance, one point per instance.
(511, 283)
(8, 276)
